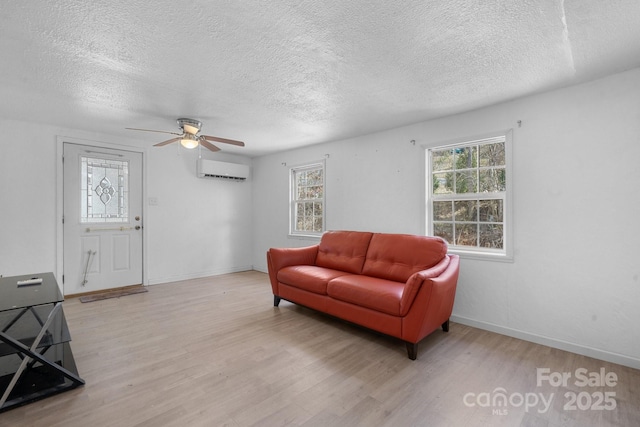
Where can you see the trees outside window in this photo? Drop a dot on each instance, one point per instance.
(468, 195)
(307, 200)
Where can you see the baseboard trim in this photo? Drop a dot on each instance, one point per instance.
(178, 278)
(595, 353)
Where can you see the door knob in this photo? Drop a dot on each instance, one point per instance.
(138, 227)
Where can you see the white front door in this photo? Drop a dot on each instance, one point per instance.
(102, 217)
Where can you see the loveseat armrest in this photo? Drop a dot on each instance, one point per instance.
(433, 304)
(279, 258)
(417, 279)
(284, 257)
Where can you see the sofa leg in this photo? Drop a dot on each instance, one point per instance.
(445, 326)
(412, 350)
(276, 300)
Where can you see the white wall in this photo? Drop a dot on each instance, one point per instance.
(200, 227)
(27, 198)
(574, 283)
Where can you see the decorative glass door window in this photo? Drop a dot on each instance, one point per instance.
(104, 190)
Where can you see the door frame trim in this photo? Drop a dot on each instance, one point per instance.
(60, 141)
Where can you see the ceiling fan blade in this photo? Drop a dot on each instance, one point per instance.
(160, 144)
(158, 131)
(207, 144)
(226, 141)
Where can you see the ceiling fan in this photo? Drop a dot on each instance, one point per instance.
(189, 137)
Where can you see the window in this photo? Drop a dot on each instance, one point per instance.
(104, 190)
(307, 200)
(468, 201)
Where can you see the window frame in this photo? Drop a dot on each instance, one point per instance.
(505, 254)
(293, 170)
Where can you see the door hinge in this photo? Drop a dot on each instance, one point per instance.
(63, 279)
(63, 219)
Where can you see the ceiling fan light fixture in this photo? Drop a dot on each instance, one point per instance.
(191, 129)
(189, 137)
(191, 126)
(189, 141)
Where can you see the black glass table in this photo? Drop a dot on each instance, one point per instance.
(35, 356)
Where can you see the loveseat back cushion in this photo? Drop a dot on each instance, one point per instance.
(397, 256)
(343, 250)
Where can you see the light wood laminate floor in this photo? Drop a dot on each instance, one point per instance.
(215, 352)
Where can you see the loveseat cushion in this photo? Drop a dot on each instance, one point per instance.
(308, 277)
(343, 250)
(370, 292)
(397, 256)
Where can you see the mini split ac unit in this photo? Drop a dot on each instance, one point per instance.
(223, 170)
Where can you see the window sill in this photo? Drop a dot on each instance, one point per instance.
(305, 236)
(481, 256)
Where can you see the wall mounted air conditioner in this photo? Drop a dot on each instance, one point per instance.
(214, 169)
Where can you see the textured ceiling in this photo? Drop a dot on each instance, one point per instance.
(281, 74)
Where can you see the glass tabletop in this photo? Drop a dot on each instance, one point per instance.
(30, 313)
(13, 296)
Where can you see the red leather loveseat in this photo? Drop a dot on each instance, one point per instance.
(397, 284)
